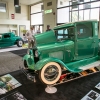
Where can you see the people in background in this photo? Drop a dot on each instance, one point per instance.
(48, 28)
(30, 36)
(38, 31)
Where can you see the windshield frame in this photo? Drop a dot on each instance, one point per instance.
(69, 35)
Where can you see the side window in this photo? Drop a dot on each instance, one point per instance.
(7, 36)
(84, 30)
(60, 34)
(64, 33)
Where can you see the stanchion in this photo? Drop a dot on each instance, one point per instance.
(50, 89)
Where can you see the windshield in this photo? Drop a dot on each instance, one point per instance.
(65, 33)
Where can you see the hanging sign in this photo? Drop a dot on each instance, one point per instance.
(48, 11)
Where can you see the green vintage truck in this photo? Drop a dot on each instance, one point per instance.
(72, 46)
(10, 39)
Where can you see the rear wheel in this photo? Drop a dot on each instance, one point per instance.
(19, 43)
(50, 73)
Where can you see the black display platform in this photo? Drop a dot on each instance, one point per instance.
(73, 90)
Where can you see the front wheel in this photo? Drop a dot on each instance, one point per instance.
(19, 43)
(50, 73)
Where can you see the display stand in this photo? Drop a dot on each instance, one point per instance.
(65, 77)
(50, 89)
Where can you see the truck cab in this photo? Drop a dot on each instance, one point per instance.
(84, 36)
(70, 46)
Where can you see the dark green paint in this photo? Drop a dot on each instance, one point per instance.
(11, 40)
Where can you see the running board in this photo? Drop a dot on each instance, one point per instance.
(67, 77)
(95, 64)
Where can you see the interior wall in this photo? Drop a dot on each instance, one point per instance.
(50, 19)
(11, 10)
(7, 23)
(4, 28)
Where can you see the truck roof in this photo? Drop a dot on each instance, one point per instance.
(72, 24)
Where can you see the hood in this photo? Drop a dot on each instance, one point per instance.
(46, 37)
(55, 46)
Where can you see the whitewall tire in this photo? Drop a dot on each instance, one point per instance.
(50, 73)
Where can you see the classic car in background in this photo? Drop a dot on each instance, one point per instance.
(72, 47)
(10, 39)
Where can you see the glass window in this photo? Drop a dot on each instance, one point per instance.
(86, 0)
(41, 29)
(81, 15)
(62, 3)
(60, 34)
(70, 8)
(38, 29)
(63, 34)
(36, 19)
(74, 16)
(81, 6)
(70, 2)
(95, 14)
(87, 5)
(81, 1)
(63, 15)
(75, 6)
(84, 30)
(2, 7)
(36, 8)
(93, 0)
(70, 17)
(6, 35)
(86, 14)
(95, 4)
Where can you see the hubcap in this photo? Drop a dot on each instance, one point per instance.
(20, 43)
(51, 73)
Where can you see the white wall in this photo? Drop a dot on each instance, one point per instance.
(6, 22)
(4, 28)
(50, 19)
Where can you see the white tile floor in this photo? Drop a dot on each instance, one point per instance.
(12, 48)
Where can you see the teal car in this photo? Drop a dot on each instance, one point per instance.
(10, 39)
(72, 47)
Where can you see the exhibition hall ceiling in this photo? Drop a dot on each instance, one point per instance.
(26, 2)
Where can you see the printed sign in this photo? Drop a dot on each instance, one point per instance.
(12, 16)
(8, 83)
(14, 96)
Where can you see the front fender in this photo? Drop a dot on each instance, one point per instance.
(43, 62)
(30, 61)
